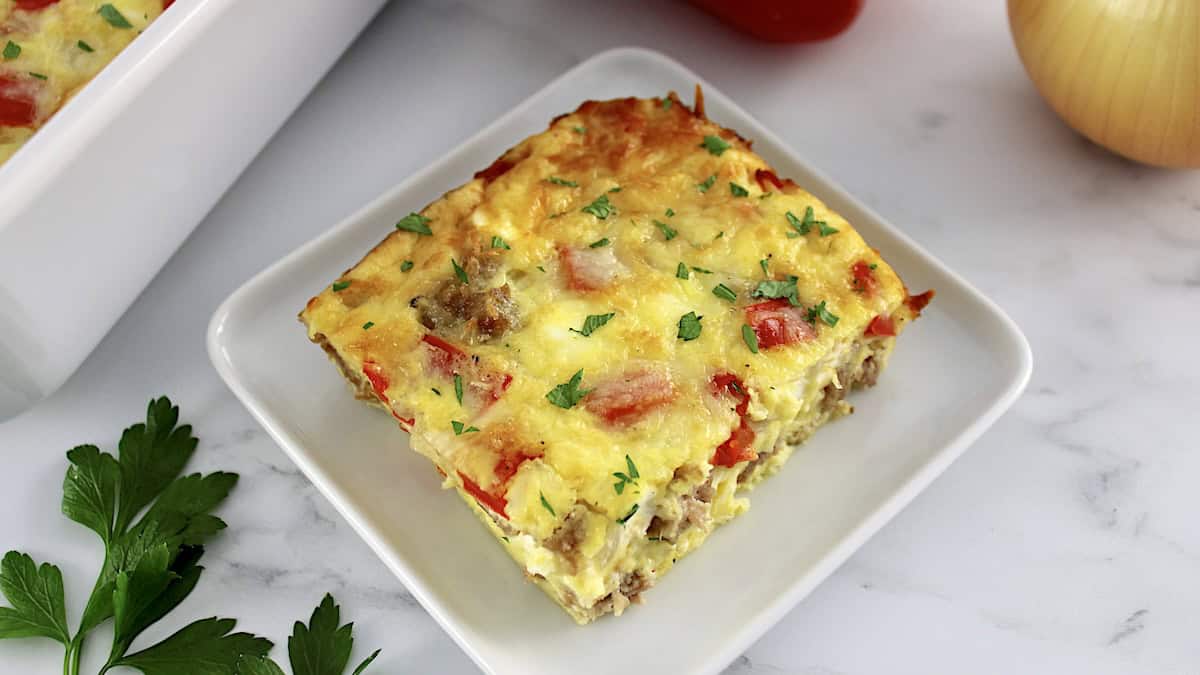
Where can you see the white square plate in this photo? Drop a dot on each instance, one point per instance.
(954, 372)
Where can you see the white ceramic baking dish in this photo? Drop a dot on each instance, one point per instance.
(102, 195)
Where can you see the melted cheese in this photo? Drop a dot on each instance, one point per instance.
(49, 39)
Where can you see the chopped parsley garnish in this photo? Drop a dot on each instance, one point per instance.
(567, 395)
(872, 266)
(593, 322)
(460, 428)
(708, 182)
(778, 289)
(750, 338)
(38, 75)
(84, 46)
(763, 264)
(601, 208)
(367, 325)
(825, 229)
(11, 50)
(113, 16)
(458, 389)
(615, 189)
(737, 190)
(668, 232)
(719, 235)
(406, 265)
(579, 130)
(435, 390)
(701, 270)
(560, 181)
(339, 286)
(670, 212)
(622, 520)
(600, 243)
(497, 242)
(804, 226)
(459, 271)
(715, 145)
(547, 504)
(724, 292)
(666, 104)
(689, 327)
(541, 269)
(415, 222)
(822, 313)
(624, 477)
(681, 272)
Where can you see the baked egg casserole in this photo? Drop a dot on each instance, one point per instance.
(49, 49)
(607, 337)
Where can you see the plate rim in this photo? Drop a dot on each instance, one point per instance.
(797, 588)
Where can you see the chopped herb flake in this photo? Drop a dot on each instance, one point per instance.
(689, 327)
(724, 292)
(600, 243)
(708, 182)
(367, 325)
(435, 390)
(460, 428)
(458, 388)
(750, 338)
(406, 265)
(560, 181)
(541, 269)
(414, 222)
(113, 16)
(666, 103)
(497, 242)
(615, 189)
(11, 50)
(601, 208)
(778, 289)
(38, 75)
(670, 212)
(459, 271)
(715, 145)
(579, 130)
(547, 504)
(668, 232)
(701, 270)
(719, 235)
(339, 286)
(681, 271)
(633, 472)
(822, 313)
(738, 191)
(763, 264)
(624, 478)
(592, 323)
(629, 515)
(567, 395)
(825, 229)
(84, 46)
(872, 266)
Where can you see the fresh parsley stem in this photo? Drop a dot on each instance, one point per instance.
(74, 652)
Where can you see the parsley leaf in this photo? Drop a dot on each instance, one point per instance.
(821, 312)
(601, 208)
(689, 327)
(497, 242)
(257, 665)
(547, 504)
(415, 222)
(323, 646)
(339, 286)
(459, 271)
(737, 190)
(567, 395)
(593, 322)
(37, 598)
(615, 189)
(681, 272)
(708, 182)
(406, 265)
(90, 490)
(800, 226)
(701, 270)
(600, 243)
(633, 472)
(715, 145)
(580, 130)
(670, 212)
(11, 50)
(84, 46)
(624, 519)
(458, 388)
(750, 338)
(724, 292)
(624, 478)
(151, 456)
(668, 232)
(113, 16)
(778, 289)
(763, 264)
(207, 642)
(666, 103)
(460, 428)
(368, 325)
(825, 229)
(38, 75)
(560, 181)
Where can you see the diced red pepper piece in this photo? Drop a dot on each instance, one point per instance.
(881, 326)
(34, 5)
(378, 379)
(630, 397)
(493, 502)
(737, 448)
(864, 278)
(918, 302)
(776, 322)
(18, 107)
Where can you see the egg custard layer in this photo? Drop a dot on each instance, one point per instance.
(49, 49)
(608, 335)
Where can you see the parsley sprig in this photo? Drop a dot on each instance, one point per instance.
(601, 208)
(592, 323)
(568, 394)
(624, 478)
(153, 523)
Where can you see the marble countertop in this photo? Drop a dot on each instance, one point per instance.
(1064, 541)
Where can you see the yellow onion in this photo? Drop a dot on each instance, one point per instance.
(1124, 73)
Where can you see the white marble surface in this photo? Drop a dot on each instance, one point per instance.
(1065, 541)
